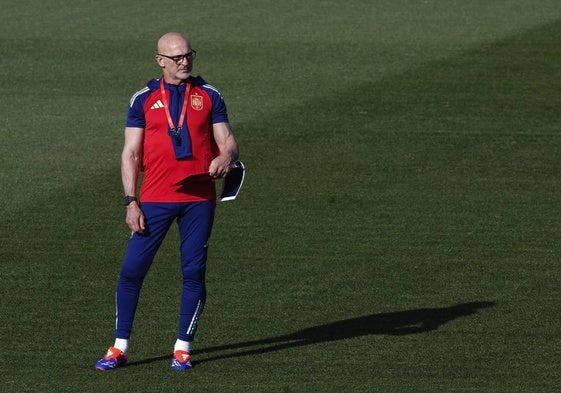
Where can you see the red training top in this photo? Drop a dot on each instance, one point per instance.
(169, 159)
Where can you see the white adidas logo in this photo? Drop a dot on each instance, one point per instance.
(157, 105)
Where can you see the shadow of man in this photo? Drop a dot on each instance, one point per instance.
(397, 323)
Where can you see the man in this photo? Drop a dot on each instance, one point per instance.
(177, 132)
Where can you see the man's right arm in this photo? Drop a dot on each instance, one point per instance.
(131, 158)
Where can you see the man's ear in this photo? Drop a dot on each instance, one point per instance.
(160, 61)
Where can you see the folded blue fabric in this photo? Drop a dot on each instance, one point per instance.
(179, 136)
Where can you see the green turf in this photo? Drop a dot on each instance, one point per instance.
(397, 231)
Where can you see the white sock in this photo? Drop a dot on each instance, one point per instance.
(181, 345)
(122, 344)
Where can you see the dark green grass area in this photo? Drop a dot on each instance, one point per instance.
(397, 231)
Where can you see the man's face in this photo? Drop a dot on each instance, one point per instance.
(176, 59)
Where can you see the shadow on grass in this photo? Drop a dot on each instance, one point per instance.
(398, 323)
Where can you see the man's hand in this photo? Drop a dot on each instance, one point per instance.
(220, 166)
(135, 218)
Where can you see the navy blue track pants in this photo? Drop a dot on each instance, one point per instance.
(194, 220)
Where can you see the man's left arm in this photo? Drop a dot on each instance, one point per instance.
(228, 146)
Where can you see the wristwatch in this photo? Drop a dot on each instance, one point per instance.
(128, 199)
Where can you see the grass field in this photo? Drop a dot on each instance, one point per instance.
(398, 230)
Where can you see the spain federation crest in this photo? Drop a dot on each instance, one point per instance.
(196, 102)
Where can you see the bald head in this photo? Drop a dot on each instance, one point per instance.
(175, 45)
(169, 41)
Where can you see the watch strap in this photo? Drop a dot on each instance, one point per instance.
(128, 199)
